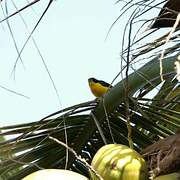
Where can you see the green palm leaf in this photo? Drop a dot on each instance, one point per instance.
(31, 149)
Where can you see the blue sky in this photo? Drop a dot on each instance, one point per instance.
(71, 38)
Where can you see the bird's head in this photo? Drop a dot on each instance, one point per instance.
(90, 80)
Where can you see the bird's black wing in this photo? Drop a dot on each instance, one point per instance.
(105, 84)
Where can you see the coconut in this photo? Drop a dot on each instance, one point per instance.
(172, 176)
(54, 174)
(118, 162)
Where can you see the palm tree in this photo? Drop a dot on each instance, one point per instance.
(130, 113)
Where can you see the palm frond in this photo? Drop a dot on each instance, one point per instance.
(29, 147)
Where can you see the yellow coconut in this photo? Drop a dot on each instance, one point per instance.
(54, 174)
(172, 176)
(118, 162)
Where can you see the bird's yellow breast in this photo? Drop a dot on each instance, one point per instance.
(97, 89)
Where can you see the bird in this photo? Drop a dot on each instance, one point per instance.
(168, 14)
(98, 87)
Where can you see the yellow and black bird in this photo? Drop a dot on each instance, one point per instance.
(98, 87)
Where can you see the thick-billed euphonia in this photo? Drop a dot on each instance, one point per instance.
(98, 87)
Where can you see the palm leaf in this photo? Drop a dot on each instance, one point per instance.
(30, 148)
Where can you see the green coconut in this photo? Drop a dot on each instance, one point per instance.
(118, 162)
(54, 174)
